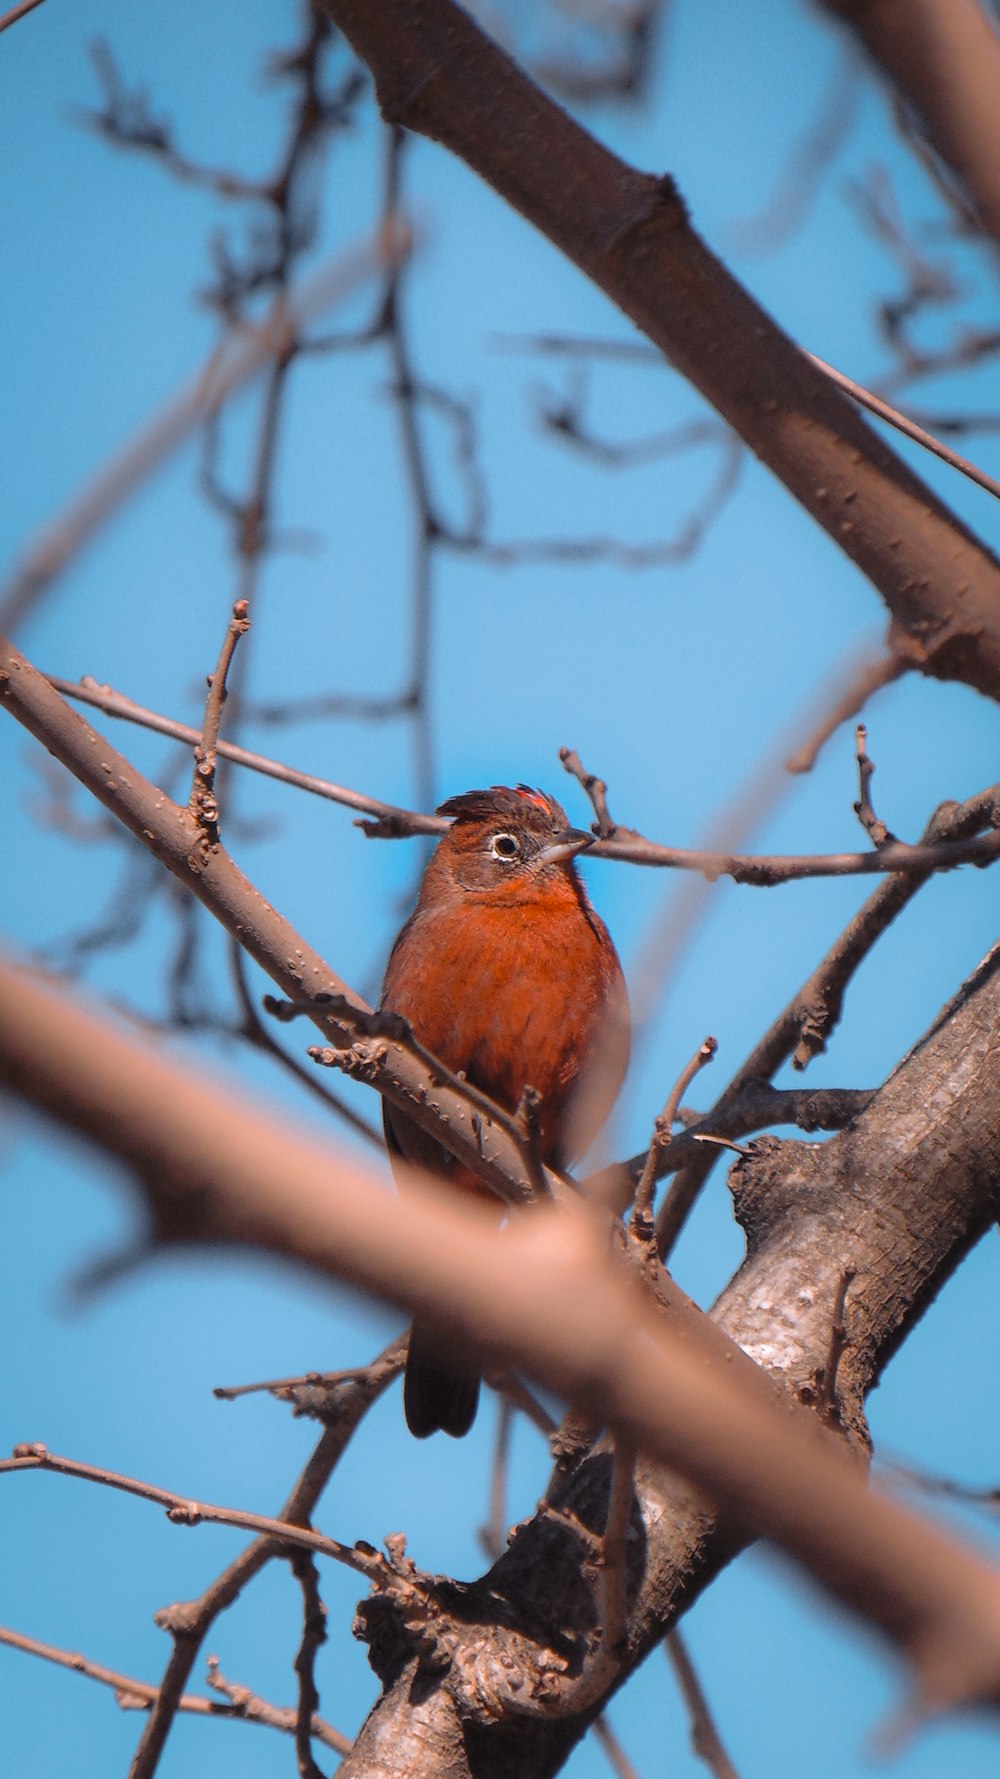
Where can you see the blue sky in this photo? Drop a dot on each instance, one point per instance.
(673, 683)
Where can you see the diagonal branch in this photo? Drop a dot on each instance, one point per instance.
(547, 1299)
(438, 74)
(139, 1695)
(390, 821)
(943, 58)
(171, 833)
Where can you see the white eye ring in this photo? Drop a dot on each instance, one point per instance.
(506, 848)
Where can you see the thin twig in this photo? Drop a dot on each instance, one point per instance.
(705, 1738)
(875, 828)
(202, 802)
(595, 788)
(221, 376)
(809, 160)
(754, 798)
(804, 1027)
(619, 1760)
(491, 1535)
(948, 1486)
(17, 12)
(642, 1212)
(868, 678)
(881, 409)
(529, 1117)
(182, 1511)
(393, 822)
(256, 1033)
(116, 704)
(382, 1024)
(390, 1363)
(313, 1637)
(139, 1695)
(190, 1623)
(864, 398)
(509, 1385)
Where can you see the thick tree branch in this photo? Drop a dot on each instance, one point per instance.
(173, 836)
(438, 74)
(943, 59)
(545, 1298)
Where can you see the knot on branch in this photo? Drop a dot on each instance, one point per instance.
(364, 1061)
(431, 1627)
(820, 1015)
(403, 1618)
(773, 1179)
(658, 205)
(385, 827)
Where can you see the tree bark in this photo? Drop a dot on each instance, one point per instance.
(492, 1678)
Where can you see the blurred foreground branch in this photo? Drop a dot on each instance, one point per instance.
(547, 1298)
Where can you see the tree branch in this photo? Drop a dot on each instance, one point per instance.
(545, 1299)
(943, 58)
(438, 74)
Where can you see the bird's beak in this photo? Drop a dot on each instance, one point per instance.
(565, 845)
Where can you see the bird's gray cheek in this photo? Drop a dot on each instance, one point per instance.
(476, 875)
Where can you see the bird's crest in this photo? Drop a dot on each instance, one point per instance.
(510, 804)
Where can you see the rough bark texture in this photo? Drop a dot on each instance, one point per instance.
(900, 1196)
(171, 833)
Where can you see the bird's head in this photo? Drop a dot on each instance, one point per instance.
(505, 842)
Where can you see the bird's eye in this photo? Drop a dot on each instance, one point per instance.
(505, 847)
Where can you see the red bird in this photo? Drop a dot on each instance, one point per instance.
(506, 973)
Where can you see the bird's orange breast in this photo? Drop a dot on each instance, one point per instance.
(515, 994)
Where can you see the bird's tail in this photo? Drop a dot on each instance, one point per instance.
(441, 1387)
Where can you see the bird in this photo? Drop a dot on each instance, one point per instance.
(506, 973)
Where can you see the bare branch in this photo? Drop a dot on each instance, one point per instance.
(491, 1535)
(391, 818)
(762, 870)
(299, 972)
(618, 1759)
(804, 1027)
(943, 57)
(545, 1298)
(970, 347)
(18, 12)
(313, 1637)
(190, 1624)
(221, 376)
(202, 803)
(595, 788)
(182, 1511)
(630, 233)
(867, 678)
(705, 1738)
(139, 1695)
(874, 827)
(910, 428)
(642, 1212)
(252, 1028)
